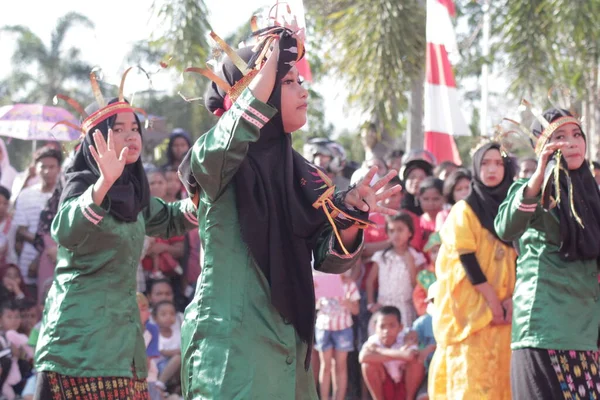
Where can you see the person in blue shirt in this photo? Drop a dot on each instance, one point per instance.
(424, 328)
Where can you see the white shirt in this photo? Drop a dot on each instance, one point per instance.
(395, 285)
(169, 343)
(29, 205)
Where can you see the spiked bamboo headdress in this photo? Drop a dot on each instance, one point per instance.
(289, 55)
(105, 110)
(538, 136)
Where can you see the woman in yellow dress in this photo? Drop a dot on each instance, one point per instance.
(476, 275)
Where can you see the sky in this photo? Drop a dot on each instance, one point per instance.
(119, 24)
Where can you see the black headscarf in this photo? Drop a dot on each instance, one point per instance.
(576, 243)
(485, 200)
(275, 189)
(129, 195)
(410, 201)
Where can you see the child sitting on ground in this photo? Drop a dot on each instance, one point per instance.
(390, 358)
(424, 329)
(151, 338)
(10, 319)
(169, 344)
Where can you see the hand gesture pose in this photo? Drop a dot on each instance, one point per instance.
(537, 179)
(364, 197)
(109, 163)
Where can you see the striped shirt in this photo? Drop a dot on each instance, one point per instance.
(29, 205)
(333, 316)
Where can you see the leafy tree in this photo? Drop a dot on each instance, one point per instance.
(54, 66)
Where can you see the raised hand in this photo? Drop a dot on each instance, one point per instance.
(364, 197)
(537, 179)
(109, 163)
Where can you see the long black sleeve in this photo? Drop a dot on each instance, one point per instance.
(472, 268)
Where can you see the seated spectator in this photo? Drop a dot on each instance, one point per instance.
(162, 290)
(390, 358)
(30, 385)
(12, 287)
(424, 329)
(10, 320)
(169, 344)
(7, 230)
(151, 338)
(30, 315)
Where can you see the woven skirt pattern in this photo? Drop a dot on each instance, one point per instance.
(53, 386)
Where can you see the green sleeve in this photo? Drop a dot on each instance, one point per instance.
(166, 220)
(217, 154)
(516, 212)
(76, 219)
(330, 258)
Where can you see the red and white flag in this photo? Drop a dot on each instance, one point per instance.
(443, 117)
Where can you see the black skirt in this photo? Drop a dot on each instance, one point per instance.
(554, 374)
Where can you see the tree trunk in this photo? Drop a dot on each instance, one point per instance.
(415, 137)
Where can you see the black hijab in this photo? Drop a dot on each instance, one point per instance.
(410, 202)
(485, 200)
(576, 243)
(275, 189)
(129, 195)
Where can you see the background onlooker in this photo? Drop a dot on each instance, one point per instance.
(7, 172)
(390, 358)
(334, 338)
(29, 205)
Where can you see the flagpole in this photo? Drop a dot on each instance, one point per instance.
(485, 45)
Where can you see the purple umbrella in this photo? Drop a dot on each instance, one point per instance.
(36, 122)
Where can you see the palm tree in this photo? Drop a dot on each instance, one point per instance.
(184, 31)
(54, 65)
(378, 48)
(550, 43)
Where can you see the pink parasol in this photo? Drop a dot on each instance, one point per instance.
(36, 122)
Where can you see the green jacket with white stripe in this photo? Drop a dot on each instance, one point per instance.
(91, 325)
(555, 303)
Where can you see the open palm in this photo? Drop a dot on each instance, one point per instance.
(111, 166)
(365, 197)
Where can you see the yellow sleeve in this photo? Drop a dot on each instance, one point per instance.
(462, 229)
